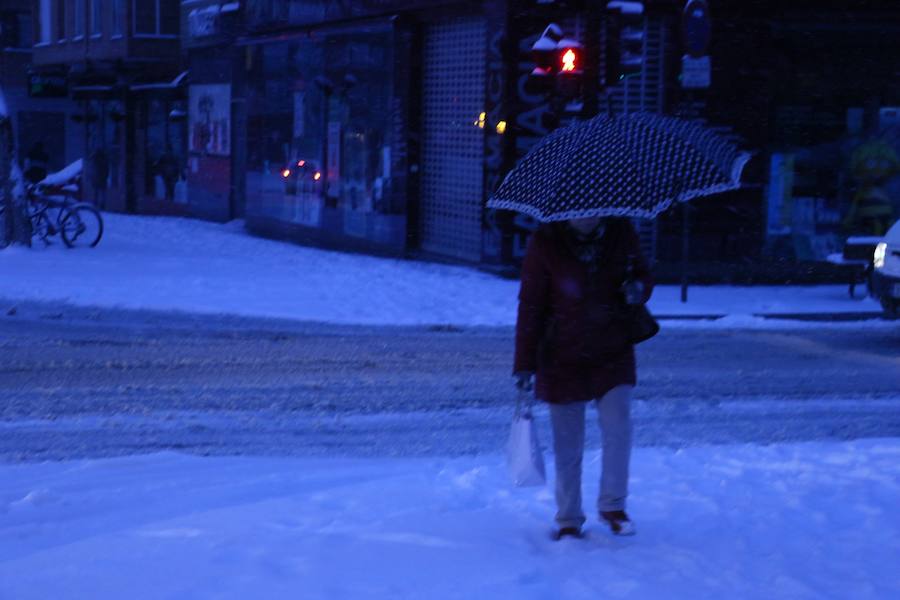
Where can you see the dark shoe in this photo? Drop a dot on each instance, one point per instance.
(618, 522)
(574, 532)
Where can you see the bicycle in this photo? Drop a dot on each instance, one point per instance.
(51, 211)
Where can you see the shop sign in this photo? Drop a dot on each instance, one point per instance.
(695, 72)
(47, 86)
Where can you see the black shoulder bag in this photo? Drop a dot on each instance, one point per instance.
(641, 324)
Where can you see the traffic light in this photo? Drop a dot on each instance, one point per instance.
(558, 64)
(570, 72)
(544, 55)
(624, 40)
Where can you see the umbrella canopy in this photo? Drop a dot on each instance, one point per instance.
(632, 166)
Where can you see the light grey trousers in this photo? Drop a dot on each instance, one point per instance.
(568, 446)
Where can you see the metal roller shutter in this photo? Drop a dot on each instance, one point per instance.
(453, 96)
(644, 92)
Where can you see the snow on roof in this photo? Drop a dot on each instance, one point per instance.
(632, 8)
(544, 43)
(162, 86)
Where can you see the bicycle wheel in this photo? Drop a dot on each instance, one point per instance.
(81, 226)
(41, 227)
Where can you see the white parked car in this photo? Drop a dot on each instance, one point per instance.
(886, 272)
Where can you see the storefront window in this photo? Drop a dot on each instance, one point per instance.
(319, 126)
(15, 29)
(835, 165)
(826, 190)
(164, 150)
(102, 170)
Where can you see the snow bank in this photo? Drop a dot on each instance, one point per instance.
(789, 521)
(194, 266)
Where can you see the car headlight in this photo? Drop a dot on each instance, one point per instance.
(880, 253)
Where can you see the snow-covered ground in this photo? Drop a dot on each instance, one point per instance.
(795, 521)
(194, 266)
(798, 520)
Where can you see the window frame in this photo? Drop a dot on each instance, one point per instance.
(157, 35)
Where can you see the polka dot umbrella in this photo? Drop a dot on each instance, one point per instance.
(631, 166)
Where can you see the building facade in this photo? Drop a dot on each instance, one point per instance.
(813, 90)
(120, 63)
(384, 125)
(216, 143)
(39, 105)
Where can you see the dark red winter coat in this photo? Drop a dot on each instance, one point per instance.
(569, 328)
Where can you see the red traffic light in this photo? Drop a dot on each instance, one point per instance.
(569, 52)
(568, 60)
(568, 78)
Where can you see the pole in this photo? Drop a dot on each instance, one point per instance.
(326, 95)
(591, 78)
(685, 248)
(16, 225)
(6, 193)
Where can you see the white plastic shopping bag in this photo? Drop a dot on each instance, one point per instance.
(526, 461)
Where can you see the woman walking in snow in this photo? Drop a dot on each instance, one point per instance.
(573, 346)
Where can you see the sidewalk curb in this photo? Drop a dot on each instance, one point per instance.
(848, 316)
(825, 317)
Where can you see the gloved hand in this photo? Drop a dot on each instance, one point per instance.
(633, 292)
(525, 380)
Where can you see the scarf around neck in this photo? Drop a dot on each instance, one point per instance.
(587, 247)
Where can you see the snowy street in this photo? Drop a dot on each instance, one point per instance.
(154, 455)
(89, 383)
